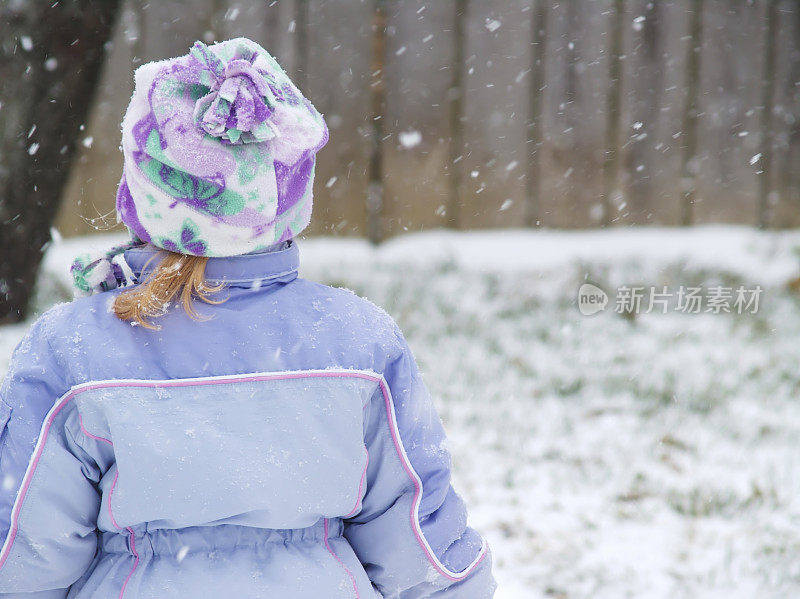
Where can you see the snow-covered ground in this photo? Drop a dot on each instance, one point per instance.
(602, 456)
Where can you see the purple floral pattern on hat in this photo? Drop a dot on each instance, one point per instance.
(219, 150)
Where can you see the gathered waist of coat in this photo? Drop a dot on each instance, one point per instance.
(165, 541)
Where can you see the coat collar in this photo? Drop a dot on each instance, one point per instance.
(250, 270)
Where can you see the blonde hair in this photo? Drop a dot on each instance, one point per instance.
(177, 275)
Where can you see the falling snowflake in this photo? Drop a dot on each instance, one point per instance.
(410, 139)
(492, 25)
(755, 158)
(27, 43)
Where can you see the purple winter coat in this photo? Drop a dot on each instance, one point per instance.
(286, 447)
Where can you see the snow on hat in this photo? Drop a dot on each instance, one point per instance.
(219, 152)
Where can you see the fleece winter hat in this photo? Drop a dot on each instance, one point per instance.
(219, 152)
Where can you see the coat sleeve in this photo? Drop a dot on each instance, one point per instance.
(411, 534)
(48, 502)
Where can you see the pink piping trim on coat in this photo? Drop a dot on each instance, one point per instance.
(26, 481)
(415, 524)
(341, 563)
(110, 493)
(131, 534)
(360, 485)
(88, 434)
(132, 537)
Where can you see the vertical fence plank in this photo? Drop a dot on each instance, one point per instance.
(419, 56)
(495, 114)
(377, 113)
(666, 173)
(242, 18)
(456, 113)
(534, 143)
(339, 80)
(169, 30)
(653, 101)
(301, 26)
(575, 102)
(690, 165)
(642, 101)
(278, 30)
(728, 138)
(786, 171)
(612, 204)
(767, 104)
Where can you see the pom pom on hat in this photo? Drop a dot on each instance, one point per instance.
(239, 102)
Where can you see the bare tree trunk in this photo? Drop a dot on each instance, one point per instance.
(535, 137)
(456, 93)
(613, 112)
(690, 114)
(378, 105)
(50, 62)
(768, 99)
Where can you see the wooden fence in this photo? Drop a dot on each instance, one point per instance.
(504, 113)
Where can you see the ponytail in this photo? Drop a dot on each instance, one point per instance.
(176, 276)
